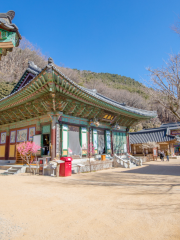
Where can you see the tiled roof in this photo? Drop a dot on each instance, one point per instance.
(161, 134)
(5, 22)
(32, 68)
(93, 93)
(152, 135)
(170, 125)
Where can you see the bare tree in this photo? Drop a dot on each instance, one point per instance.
(14, 64)
(165, 85)
(176, 26)
(149, 145)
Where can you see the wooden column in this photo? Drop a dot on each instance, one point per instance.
(53, 137)
(58, 146)
(128, 147)
(7, 145)
(88, 139)
(112, 143)
(88, 136)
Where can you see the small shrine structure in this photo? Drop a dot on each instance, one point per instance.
(9, 34)
(47, 107)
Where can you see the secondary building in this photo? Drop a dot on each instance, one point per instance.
(167, 136)
(63, 117)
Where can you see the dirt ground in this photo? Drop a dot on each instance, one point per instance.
(140, 203)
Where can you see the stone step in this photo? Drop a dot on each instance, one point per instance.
(16, 168)
(10, 173)
(4, 167)
(12, 170)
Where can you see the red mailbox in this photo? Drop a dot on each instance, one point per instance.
(65, 168)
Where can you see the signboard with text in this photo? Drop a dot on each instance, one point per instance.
(155, 152)
(175, 132)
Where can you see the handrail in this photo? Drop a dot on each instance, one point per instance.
(6, 171)
(122, 161)
(137, 161)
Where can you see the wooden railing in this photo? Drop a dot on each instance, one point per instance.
(19, 160)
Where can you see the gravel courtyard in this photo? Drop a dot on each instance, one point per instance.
(141, 203)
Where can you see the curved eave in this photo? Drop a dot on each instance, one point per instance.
(16, 98)
(28, 70)
(10, 28)
(111, 103)
(81, 94)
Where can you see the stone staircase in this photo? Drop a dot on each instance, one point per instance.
(126, 161)
(15, 170)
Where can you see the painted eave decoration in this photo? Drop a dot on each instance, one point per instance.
(9, 34)
(51, 91)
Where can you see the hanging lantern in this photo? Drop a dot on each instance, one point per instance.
(116, 126)
(94, 121)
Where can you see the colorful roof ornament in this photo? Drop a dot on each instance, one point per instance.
(9, 34)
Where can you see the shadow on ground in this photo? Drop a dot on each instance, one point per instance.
(173, 170)
(154, 176)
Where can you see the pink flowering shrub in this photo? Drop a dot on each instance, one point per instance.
(26, 149)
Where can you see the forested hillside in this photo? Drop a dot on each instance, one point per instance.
(117, 87)
(115, 81)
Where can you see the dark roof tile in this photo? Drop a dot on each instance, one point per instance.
(149, 136)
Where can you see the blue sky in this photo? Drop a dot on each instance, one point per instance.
(114, 36)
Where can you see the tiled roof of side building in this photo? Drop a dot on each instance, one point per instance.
(161, 134)
(152, 135)
(170, 125)
(163, 126)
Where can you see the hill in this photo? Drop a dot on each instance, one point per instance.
(115, 81)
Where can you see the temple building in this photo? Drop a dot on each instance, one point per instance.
(64, 118)
(167, 136)
(9, 34)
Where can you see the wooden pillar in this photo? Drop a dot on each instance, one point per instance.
(53, 137)
(134, 149)
(112, 142)
(127, 140)
(88, 136)
(58, 146)
(54, 119)
(61, 133)
(7, 145)
(88, 140)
